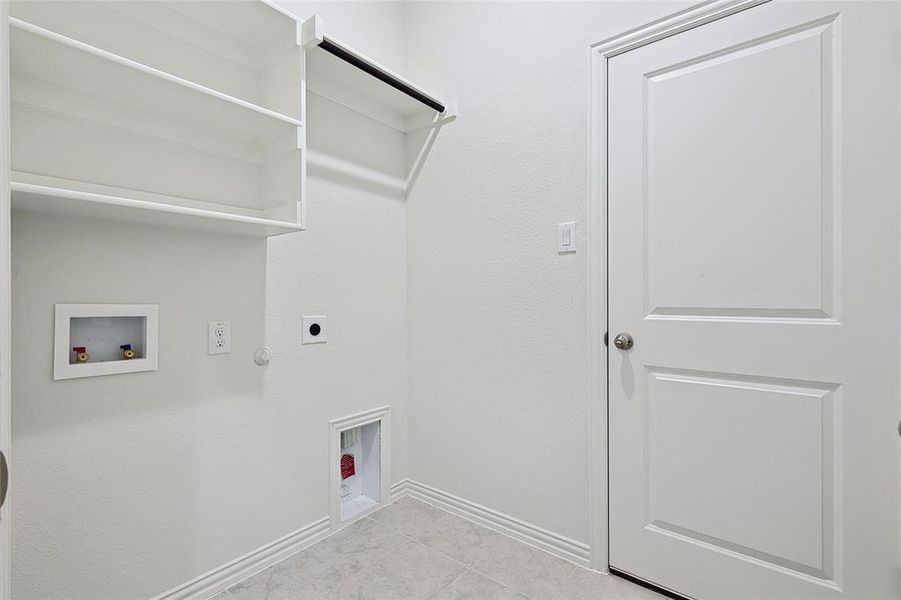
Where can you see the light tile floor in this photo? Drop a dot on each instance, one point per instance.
(410, 550)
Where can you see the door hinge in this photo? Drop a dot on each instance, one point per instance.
(606, 338)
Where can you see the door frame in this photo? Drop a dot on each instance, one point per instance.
(601, 53)
(5, 297)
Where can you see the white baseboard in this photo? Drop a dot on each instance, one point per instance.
(400, 489)
(554, 543)
(213, 582)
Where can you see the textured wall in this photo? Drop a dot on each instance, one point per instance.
(126, 486)
(498, 321)
(350, 266)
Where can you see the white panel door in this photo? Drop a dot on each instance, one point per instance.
(753, 256)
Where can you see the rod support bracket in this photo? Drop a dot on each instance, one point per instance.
(311, 32)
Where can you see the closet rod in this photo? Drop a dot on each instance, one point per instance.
(398, 84)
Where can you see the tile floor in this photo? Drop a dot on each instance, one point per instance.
(410, 550)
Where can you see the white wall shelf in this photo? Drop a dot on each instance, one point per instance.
(37, 198)
(182, 113)
(347, 76)
(173, 114)
(47, 56)
(243, 49)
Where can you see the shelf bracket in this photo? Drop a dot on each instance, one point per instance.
(451, 111)
(311, 32)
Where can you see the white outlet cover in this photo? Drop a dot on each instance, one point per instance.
(314, 329)
(219, 337)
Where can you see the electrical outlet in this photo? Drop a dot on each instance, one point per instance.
(220, 337)
(314, 331)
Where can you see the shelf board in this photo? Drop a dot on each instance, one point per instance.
(39, 198)
(260, 24)
(43, 54)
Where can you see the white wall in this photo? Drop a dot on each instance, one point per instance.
(349, 265)
(498, 321)
(126, 486)
(128, 483)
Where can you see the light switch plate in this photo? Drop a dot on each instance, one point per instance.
(314, 329)
(566, 237)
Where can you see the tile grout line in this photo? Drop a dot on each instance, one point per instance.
(468, 568)
(418, 541)
(472, 567)
(500, 583)
(455, 580)
(414, 539)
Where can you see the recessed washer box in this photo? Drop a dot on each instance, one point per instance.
(105, 339)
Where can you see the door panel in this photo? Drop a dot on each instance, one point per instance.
(742, 423)
(759, 183)
(753, 231)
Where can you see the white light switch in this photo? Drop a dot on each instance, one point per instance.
(566, 237)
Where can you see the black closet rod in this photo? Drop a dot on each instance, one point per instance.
(391, 80)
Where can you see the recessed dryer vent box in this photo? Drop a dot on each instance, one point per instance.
(104, 339)
(359, 465)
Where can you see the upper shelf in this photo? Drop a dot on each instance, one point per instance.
(166, 113)
(347, 76)
(45, 55)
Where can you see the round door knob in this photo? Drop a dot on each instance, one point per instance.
(623, 341)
